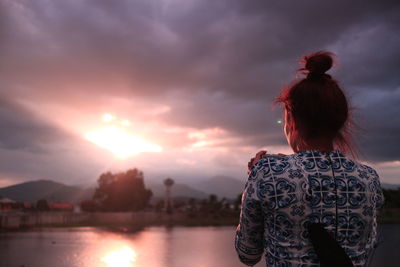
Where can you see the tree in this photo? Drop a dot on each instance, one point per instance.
(89, 206)
(238, 202)
(392, 198)
(124, 191)
(160, 205)
(42, 205)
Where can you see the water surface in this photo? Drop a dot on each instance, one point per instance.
(151, 247)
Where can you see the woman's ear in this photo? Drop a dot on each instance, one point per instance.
(289, 129)
(288, 123)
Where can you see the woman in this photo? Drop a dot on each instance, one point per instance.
(318, 185)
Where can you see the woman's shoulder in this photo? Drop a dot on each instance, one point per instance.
(366, 170)
(270, 164)
(267, 159)
(313, 160)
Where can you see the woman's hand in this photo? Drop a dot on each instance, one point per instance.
(255, 159)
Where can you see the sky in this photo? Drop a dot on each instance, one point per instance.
(182, 88)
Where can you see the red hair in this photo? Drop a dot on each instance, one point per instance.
(317, 105)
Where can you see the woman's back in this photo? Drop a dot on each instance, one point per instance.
(284, 194)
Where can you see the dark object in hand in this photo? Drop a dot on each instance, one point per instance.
(329, 252)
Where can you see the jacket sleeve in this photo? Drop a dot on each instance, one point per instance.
(250, 231)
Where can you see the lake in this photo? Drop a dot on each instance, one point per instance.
(150, 247)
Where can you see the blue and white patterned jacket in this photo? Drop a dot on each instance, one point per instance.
(283, 194)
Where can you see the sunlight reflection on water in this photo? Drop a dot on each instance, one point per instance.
(151, 247)
(95, 247)
(123, 257)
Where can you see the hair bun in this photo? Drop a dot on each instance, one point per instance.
(318, 63)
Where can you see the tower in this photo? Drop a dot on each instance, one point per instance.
(168, 204)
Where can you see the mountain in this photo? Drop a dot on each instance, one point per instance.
(57, 192)
(390, 186)
(222, 186)
(73, 194)
(177, 191)
(52, 191)
(32, 191)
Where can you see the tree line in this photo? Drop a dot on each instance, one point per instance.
(392, 198)
(126, 191)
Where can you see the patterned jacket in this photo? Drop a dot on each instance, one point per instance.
(283, 194)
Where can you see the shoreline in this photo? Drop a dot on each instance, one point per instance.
(132, 220)
(16, 221)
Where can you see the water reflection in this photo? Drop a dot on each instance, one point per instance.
(151, 247)
(95, 247)
(123, 257)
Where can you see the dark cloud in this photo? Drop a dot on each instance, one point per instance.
(22, 130)
(232, 46)
(31, 148)
(253, 121)
(371, 65)
(379, 139)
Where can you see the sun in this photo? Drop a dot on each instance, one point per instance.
(117, 139)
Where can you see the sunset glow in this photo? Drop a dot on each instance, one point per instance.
(120, 143)
(117, 138)
(107, 117)
(124, 257)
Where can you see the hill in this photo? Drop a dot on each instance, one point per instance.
(57, 192)
(32, 191)
(222, 186)
(177, 191)
(50, 190)
(390, 186)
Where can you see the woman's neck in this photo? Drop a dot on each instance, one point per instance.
(321, 144)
